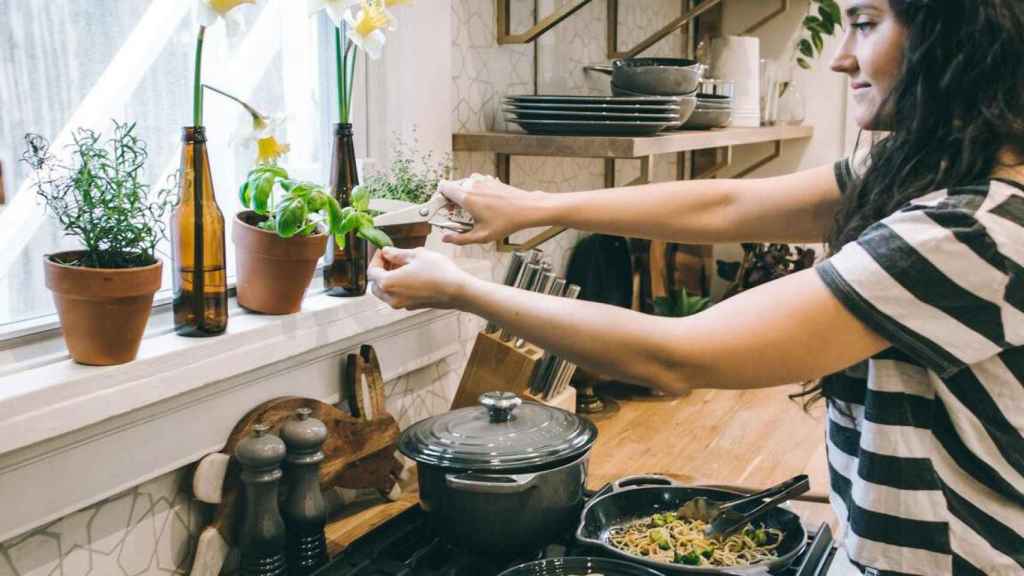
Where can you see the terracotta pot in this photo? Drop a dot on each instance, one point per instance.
(103, 311)
(408, 235)
(273, 272)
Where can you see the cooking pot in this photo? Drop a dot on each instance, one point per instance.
(504, 477)
(654, 76)
(579, 566)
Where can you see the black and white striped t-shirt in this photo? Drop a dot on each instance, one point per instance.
(928, 474)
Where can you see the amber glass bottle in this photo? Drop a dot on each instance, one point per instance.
(345, 269)
(197, 244)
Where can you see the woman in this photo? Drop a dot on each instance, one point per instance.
(925, 280)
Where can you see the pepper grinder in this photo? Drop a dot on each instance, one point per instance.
(305, 514)
(262, 536)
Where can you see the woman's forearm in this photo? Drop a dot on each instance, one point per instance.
(794, 208)
(558, 325)
(787, 331)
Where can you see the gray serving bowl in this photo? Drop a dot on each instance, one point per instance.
(703, 119)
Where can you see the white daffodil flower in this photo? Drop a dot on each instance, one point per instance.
(208, 11)
(366, 29)
(336, 9)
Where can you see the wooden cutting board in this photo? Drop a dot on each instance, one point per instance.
(357, 453)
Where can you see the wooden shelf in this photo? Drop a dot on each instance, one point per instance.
(522, 144)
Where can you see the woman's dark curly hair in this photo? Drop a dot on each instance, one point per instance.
(957, 107)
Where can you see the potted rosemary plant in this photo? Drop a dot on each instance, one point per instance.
(103, 291)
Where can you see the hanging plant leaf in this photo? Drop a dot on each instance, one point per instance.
(819, 42)
(803, 63)
(806, 48)
(727, 270)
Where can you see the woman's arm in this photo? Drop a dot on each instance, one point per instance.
(794, 208)
(790, 330)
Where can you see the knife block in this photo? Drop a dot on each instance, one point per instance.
(497, 366)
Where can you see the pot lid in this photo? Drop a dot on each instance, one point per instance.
(502, 433)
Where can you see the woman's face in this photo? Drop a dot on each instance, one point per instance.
(872, 56)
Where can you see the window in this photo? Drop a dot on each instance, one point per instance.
(78, 63)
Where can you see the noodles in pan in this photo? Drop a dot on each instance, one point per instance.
(670, 539)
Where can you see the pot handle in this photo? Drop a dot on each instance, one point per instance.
(480, 484)
(602, 69)
(635, 482)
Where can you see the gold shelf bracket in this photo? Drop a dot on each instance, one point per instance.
(676, 24)
(504, 17)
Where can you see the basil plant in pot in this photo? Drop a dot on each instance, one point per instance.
(104, 290)
(280, 239)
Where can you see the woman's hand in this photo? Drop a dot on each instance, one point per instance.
(498, 210)
(415, 279)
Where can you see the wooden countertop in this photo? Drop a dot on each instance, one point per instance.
(750, 438)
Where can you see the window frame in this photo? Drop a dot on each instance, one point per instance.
(43, 326)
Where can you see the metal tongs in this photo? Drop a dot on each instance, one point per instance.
(723, 518)
(438, 211)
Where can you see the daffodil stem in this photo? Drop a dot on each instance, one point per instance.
(350, 68)
(197, 87)
(341, 64)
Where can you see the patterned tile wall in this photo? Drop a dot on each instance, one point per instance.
(151, 529)
(484, 73)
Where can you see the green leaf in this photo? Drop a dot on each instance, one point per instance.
(835, 11)
(663, 306)
(263, 169)
(819, 42)
(806, 48)
(728, 270)
(335, 215)
(803, 63)
(288, 185)
(316, 201)
(378, 238)
(361, 198)
(291, 217)
(339, 241)
(261, 196)
(243, 194)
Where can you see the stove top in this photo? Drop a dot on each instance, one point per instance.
(407, 546)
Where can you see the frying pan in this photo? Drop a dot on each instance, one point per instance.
(654, 76)
(578, 567)
(638, 496)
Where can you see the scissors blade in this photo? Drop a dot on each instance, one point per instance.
(413, 214)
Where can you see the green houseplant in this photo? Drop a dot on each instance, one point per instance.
(104, 291)
(816, 26)
(283, 234)
(412, 178)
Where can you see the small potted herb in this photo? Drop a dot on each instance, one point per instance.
(680, 303)
(103, 291)
(280, 239)
(406, 182)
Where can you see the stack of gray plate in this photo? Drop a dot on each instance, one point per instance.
(593, 115)
(715, 106)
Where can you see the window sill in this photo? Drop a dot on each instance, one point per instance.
(60, 396)
(71, 435)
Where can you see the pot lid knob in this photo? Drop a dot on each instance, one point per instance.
(500, 405)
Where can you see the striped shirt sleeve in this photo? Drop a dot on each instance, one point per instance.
(941, 279)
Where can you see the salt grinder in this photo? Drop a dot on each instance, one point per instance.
(262, 535)
(305, 514)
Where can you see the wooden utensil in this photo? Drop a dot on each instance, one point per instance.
(358, 454)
